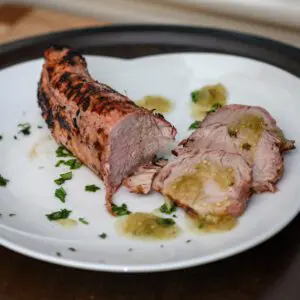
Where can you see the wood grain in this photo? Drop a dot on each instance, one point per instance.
(18, 21)
(269, 272)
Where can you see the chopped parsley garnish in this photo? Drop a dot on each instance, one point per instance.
(73, 163)
(60, 162)
(194, 96)
(72, 249)
(12, 215)
(66, 176)
(63, 152)
(120, 210)
(1, 137)
(3, 181)
(25, 128)
(194, 125)
(168, 207)
(61, 194)
(40, 127)
(165, 221)
(15, 137)
(214, 107)
(59, 215)
(63, 177)
(103, 235)
(91, 188)
(59, 181)
(83, 221)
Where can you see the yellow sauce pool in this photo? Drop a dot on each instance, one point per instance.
(147, 226)
(207, 99)
(67, 222)
(211, 223)
(159, 103)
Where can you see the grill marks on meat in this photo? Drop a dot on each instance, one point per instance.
(107, 131)
(258, 140)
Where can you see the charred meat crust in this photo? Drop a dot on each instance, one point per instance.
(83, 114)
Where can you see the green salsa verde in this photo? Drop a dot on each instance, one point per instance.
(148, 226)
(159, 103)
(208, 99)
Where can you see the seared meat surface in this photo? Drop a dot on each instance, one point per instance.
(207, 183)
(106, 130)
(248, 131)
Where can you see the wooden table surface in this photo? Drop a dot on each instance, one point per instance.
(18, 21)
(271, 271)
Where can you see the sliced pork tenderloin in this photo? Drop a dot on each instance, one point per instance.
(230, 114)
(140, 182)
(248, 131)
(106, 130)
(207, 183)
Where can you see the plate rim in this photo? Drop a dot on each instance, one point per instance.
(151, 268)
(33, 41)
(261, 41)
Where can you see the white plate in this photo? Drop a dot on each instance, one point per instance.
(29, 193)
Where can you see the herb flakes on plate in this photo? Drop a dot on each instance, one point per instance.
(91, 188)
(25, 128)
(63, 152)
(61, 194)
(120, 210)
(59, 215)
(83, 221)
(195, 125)
(3, 181)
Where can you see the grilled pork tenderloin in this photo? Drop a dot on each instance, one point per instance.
(107, 131)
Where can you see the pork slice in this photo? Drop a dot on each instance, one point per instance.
(140, 181)
(106, 130)
(214, 183)
(233, 112)
(250, 131)
(265, 158)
